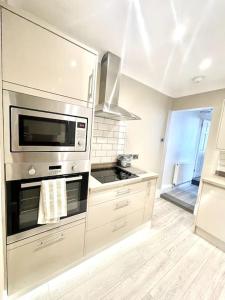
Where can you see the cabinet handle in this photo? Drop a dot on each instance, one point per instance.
(123, 192)
(38, 183)
(121, 204)
(118, 227)
(90, 86)
(49, 242)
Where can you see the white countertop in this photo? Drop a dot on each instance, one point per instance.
(215, 180)
(94, 184)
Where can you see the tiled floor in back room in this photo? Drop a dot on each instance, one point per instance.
(166, 262)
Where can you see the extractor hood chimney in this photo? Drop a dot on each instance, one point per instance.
(109, 91)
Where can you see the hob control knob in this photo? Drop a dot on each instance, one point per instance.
(32, 171)
(74, 167)
(79, 143)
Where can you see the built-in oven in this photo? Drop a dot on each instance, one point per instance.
(23, 203)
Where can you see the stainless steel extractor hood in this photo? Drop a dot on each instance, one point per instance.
(109, 91)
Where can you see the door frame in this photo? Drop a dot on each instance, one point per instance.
(166, 137)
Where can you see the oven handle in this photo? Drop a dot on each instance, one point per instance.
(38, 183)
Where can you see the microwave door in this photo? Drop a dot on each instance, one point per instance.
(41, 131)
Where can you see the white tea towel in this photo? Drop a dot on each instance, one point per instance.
(53, 201)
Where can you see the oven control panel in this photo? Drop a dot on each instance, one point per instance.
(81, 134)
(35, 170)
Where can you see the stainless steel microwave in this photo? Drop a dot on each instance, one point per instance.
(33, 130)
(39, 130)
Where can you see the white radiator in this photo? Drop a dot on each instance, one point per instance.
(183, 172)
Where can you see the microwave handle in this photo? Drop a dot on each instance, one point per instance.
(38, 183)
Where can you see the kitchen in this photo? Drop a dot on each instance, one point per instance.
(82, 153)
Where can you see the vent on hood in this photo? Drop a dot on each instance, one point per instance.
(109, 91)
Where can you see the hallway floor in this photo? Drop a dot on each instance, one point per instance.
(166, 262)
(184, 195)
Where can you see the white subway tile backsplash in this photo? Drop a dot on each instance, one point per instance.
(107, 133)
(102, 140)
(96, 147)
(112, 140)
(109, 138)
(115, 147)
(100, 153)
(123, 129)
(107, 146)
(121, 141)
(120, 147)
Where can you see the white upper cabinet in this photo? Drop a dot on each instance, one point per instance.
(221, 133)
(37, 58)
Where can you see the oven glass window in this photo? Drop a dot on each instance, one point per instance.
(29, 203)
(36, 131)
(73, 189)
(28, 208)
(23, 202)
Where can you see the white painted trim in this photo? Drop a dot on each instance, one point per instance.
(166, 188)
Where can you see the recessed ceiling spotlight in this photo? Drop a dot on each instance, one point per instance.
(198, 79)
(179, 32)
(205, 64)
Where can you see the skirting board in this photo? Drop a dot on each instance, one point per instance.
(211, 239)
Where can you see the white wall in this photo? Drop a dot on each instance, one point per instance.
(182, 140)
(143, 137)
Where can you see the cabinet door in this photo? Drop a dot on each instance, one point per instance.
(34, 57)
(104, 235)
(109, 211)
(150, 199)
(221, 133)
(210, 216)
(34, 262)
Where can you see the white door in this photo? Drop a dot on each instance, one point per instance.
(201, 148)
(34, 57)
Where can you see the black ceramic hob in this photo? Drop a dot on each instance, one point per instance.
(111, 174)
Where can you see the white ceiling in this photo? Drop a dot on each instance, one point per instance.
(142, 33)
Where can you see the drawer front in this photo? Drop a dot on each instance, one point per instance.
(106, 234)
(106, 212)
(45, 61)
(210, 216)
(111, 194)
(32, 263)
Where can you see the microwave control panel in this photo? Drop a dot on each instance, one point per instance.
(81, 134)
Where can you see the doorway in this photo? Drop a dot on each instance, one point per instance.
(186, 146)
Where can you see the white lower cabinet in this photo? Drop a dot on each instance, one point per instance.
(103, 235)
(149, 203)
(210, 215)
(36, 261)
(108, 211)
(114, 212)
(111, 214)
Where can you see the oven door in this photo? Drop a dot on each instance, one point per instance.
(23, 203)
(33, 130)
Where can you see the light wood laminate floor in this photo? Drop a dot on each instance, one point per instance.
(166, 262)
